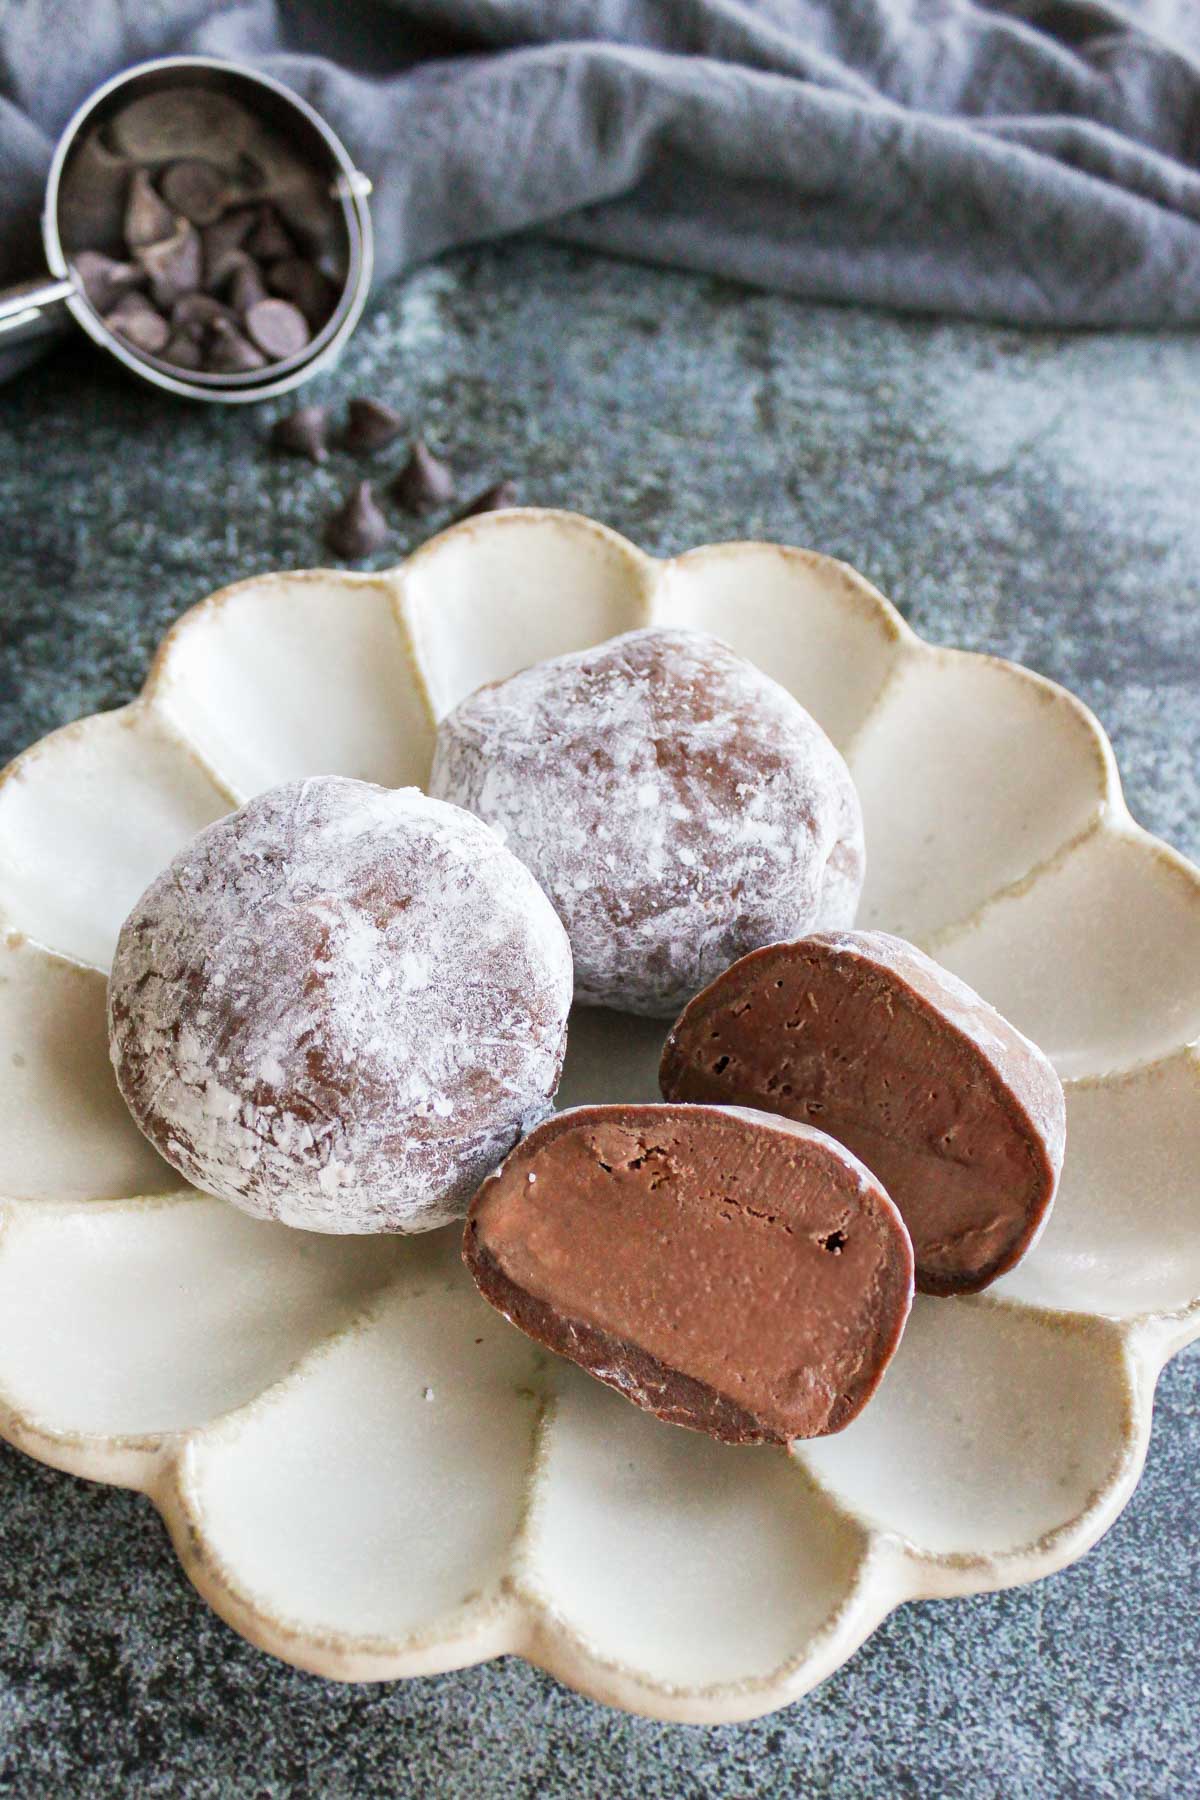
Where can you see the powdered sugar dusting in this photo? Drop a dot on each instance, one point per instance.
(678, 806)
(340, 1007)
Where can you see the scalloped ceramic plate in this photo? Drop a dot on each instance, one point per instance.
(364, 1469)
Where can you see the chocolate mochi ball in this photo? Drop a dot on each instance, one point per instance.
(678, 806)
(340, 1007)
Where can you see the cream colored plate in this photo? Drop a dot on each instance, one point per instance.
(364, 1469)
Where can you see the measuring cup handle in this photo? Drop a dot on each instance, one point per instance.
(33, 309)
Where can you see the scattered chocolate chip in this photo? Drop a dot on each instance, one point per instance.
(247, 288)
(229, 353)
(492, 499)
(184, 351)
(134, 319)
(424, 482)
(104, 279)
(147, 220)
(369, 426)
(174, 266)
(222, 244)
(278, 328)
(197, 309)
(301, 281)
(302, 433)
(357, 528)
(268, 241)
(196, 189)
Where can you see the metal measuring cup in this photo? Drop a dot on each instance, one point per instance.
(40, 308)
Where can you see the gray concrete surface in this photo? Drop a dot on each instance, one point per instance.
(1030, 494)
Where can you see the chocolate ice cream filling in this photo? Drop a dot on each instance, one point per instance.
(951, 1108)
(727, 1271)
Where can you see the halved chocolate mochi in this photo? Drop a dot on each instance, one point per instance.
(736, 1273)
(863, 1035)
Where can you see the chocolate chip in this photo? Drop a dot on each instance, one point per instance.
(302, 433)
(184, 351)
(357, 528)
(492, 499)
(222, 244)
(104, 279)
(221, 272)
(269, 242)
(369, 426)
(204, 197)
(134, 302)
(229, 353)
(196, 189)
(198, 310)
(278, 328)
(299, 194)
(248, 174)
(177, 121)
(95, 186)
(147, 220)
(247, 287)
(301, 281)
(134, 319)
(424, 482)
(174, 266)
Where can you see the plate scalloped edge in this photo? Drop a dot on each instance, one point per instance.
(293, 673)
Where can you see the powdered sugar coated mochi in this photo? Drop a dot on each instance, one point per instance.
(678, 806)
(340, 1007)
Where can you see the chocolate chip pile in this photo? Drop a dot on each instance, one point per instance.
(423, 483)
(218, 260)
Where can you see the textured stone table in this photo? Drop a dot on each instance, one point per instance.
(1029, 494)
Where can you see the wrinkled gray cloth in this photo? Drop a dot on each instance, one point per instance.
(1036, 161)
